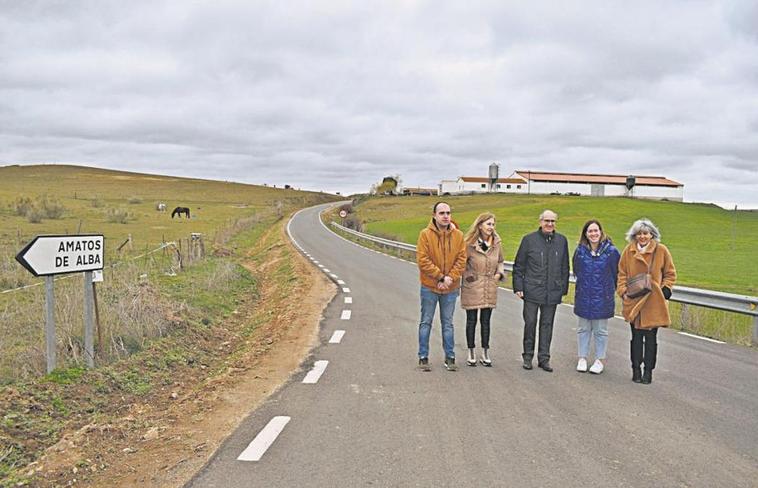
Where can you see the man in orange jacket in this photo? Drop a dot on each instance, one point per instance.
(441, 258)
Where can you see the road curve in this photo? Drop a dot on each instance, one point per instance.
(371, 418)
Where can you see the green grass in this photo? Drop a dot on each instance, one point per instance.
(712, 248)
(89, 194)
(65, 376)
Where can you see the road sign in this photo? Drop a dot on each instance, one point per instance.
(343, 213)
(52, 255)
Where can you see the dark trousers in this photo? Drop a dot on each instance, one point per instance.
(644, 347)
(484, 318)
(547, 314)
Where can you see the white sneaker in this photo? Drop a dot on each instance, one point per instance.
(597, 367)
(581, 366)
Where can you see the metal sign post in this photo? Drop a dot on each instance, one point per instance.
(89, 320)
(50, 323)
(52, 255)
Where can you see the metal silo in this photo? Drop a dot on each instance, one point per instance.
(494, 172)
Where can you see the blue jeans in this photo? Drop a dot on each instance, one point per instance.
(598, 329)
(429, 301)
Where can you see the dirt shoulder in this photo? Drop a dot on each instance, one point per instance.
(166, 440)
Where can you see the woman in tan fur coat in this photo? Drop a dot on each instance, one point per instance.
(645, 314)
(484, 268)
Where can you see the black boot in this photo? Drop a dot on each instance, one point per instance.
(637, 375)
(647, 377)
(635, 350)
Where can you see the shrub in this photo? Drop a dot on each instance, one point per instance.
(118, 215)
(353, 222)
(97, 203)
(22, 206)
(36, 210)
(134, 200)
(52, 209)
(34, 215)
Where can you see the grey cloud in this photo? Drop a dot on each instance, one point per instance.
(335, 96)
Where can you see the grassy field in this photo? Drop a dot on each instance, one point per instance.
(133, 307)
(88, 195)
(712, 248)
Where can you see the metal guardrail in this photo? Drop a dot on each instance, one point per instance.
(728, 302)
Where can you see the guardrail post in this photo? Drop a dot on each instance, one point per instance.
(755, 330)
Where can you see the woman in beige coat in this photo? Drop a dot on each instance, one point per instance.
(646, 313)
(484, 268)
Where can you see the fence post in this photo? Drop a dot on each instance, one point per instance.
(97, 321)
(50, 323)
(89, 321)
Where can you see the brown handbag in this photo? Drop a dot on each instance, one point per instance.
(641, 284)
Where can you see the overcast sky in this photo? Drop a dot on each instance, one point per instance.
(335, 95)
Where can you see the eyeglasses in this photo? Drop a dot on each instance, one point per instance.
(444, 213)
(548, 221)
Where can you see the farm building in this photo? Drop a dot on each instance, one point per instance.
(477, 184)
(545, 182)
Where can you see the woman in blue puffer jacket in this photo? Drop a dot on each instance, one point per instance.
(595, 264)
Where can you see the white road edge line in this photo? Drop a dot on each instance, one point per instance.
(333, 275)
(348, 299)
(337, 337)
(327, 270)
(314, 374)
(257, 448)
(346, 290)
(340, 282)
(701, 338)
(346, 314)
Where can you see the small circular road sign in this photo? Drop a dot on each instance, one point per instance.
(343, 213)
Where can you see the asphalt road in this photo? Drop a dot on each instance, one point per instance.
(373, 419)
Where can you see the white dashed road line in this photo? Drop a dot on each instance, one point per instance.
(314, 374)
(256, 449)
(346, 290)
(348, 299)
(337, 337)
(346, 314)
(340, 282)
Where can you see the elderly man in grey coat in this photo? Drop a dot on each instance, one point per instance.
(540, 279)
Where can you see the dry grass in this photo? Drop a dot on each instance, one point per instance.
(130, 308)
(133, 308)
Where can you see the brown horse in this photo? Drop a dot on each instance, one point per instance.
(179, 211)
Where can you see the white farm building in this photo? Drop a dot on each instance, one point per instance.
(544, 182)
